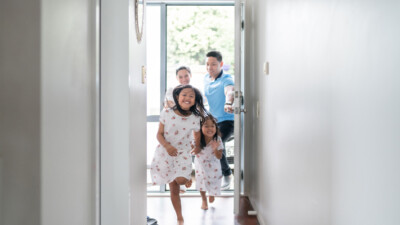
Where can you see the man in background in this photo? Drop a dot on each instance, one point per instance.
(218, 89)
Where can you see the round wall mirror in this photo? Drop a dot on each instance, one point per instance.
(139, 18)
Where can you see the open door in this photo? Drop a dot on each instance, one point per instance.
(239, 110)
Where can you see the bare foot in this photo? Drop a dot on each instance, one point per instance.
(204, 205)
(180, 222)
(188, 183)
(211, 199)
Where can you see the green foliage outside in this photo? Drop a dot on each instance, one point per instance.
(192, 31)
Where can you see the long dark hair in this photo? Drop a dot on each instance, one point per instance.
(203, 143)
(197, 109)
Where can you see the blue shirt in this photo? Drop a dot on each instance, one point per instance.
(215, 93)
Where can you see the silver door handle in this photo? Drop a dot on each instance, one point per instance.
(239, 110)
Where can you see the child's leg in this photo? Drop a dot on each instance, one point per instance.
(211, 198)
(176, 200)
(188, 183)
(204, 204)
(184, 181)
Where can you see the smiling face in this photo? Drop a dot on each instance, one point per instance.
(186, 98)
(209, 128)
(214, 67)
(183, 76)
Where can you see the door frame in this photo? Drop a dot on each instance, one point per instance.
(238, 103)
(163, 46)
(239, 82)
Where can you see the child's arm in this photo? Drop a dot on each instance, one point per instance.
(196, 148)
(169, 100)
(168, 104)
(217, 152)
(172, 151)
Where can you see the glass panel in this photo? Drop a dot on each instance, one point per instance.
(153, 75)
(192, 32)
(152, 128)
(153, 42)
(153, 59)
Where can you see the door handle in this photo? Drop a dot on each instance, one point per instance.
(239, 110)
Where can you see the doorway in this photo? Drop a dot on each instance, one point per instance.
(181, 35)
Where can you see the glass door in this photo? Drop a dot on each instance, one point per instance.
(181, 34)
(155, 81)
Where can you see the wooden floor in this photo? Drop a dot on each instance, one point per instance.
(219, 213)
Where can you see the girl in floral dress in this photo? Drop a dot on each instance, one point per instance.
(172, 161)
(207, 161)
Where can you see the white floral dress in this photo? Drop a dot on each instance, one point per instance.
(208, 170)
(178, 131)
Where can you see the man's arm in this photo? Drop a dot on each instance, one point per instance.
(229, 94)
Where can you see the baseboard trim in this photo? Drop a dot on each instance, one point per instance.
(190, 194)
(255, 207)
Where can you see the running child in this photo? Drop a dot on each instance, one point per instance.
(172, 161)
(207, 161)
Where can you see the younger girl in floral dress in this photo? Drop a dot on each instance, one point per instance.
(172, 161)
(207, 161)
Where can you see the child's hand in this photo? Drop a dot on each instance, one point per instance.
(214, 144)
(172, 151)
(196, 150)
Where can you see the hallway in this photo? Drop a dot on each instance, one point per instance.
(321, 133)
(219, 213)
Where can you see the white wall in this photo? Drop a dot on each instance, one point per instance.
(138, 123)
(68, 80)
(114, 112)
(327, 141)
(47, 102)
(123, 117)
(366, 109)
(48, 119)
(1, 189)
(20, 112)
